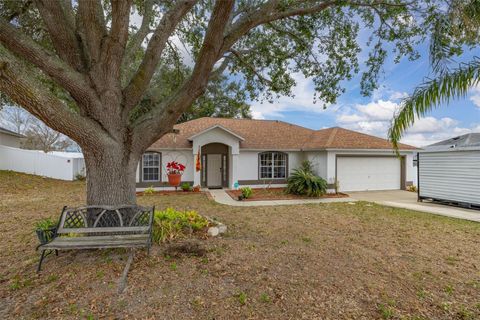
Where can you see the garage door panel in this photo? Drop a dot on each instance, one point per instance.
(368, 173)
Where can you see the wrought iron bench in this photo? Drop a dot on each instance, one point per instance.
(100, 227)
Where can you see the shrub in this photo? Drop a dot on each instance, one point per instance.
(304, 182)
(149, 190)
(45, 224)
(412, 188)
(170, 224)
(185, 186)
(247, 192)
(80, 177)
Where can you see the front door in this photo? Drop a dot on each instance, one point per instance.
(214, 170)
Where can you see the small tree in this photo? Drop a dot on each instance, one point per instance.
(116, 87)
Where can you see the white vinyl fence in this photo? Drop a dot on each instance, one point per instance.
(57, 165)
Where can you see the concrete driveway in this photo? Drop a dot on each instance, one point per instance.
(408, 200)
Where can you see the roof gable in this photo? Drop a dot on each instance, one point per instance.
(216, 127)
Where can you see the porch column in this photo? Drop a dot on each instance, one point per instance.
(234, 166)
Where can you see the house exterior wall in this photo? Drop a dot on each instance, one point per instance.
(243, 167)
(450, 176)
(247, 169)
(332, 155)
(9, 140)
(319, 162)
(183, 156)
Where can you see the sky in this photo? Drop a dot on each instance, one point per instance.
(372, 115)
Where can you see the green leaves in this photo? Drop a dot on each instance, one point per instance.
(304, 182)
(449, 85)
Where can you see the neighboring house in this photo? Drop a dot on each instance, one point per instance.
(449, 171)
(243, 152)
(10, 139)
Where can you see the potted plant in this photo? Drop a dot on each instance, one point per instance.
(196, 188)
(174, 173)
(185, 187)
(45, 229)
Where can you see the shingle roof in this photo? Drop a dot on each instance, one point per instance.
(276, 135)
(469, 140)
(9, 132)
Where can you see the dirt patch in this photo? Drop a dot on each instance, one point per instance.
(278, 194)
(316, 261)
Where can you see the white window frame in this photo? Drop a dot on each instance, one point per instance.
(273, 165)
(159, 166)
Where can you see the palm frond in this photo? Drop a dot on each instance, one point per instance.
(450, 85)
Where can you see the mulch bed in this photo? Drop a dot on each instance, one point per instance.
(179, 192)
(260, 194)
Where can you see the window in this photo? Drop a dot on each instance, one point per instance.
(151, 166)
(273, 165)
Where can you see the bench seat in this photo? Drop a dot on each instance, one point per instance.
(98, 242)
(101, 227)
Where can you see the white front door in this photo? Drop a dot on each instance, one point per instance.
(368, 173)
(214, 170)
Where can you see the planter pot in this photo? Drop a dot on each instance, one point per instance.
(45, 235)
(174, 179)
(196, 189)
(186, 190)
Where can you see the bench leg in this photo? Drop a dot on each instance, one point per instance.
(39, 268)
(56, 252)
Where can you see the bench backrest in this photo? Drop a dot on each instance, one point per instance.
(106, 219)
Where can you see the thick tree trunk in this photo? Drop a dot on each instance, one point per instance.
(110, 176)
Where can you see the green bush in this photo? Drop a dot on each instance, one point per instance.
(170, 224)
(247, 192)
(45, 224)
(185, 186)
(149, 191)
(304, 182)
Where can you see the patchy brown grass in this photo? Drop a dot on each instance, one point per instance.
(328, 261)
(278, 194)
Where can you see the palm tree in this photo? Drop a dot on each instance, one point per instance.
(458, 28)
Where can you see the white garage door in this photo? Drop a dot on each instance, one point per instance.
(368, 173)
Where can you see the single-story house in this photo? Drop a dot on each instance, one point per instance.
(257, 153)
(10, 139)
(449, 171)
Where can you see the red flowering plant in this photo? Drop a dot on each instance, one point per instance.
(174, 167)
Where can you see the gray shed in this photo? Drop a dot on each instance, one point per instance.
(449, 171)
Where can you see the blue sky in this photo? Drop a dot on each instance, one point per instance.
(372, 115)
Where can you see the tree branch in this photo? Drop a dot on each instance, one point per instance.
(59, 71)
(161, 119)
(140, 81)
(18, 84)
(137, 39)
(91, 27)
(61, 31)
(117, 39)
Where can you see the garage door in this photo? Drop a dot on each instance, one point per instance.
(368, 173)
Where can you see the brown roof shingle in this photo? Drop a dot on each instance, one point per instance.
(275, 135)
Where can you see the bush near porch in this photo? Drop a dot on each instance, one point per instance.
(313, 261)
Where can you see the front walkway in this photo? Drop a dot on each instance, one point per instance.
(408, 200)
(222, 197)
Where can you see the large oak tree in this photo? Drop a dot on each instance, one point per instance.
(87, 70)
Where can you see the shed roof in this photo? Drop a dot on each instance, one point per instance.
(464, 142)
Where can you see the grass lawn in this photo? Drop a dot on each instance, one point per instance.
(328, 261)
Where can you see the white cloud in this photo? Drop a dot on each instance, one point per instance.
(475, 97)
(302, 100)
(375, 118)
